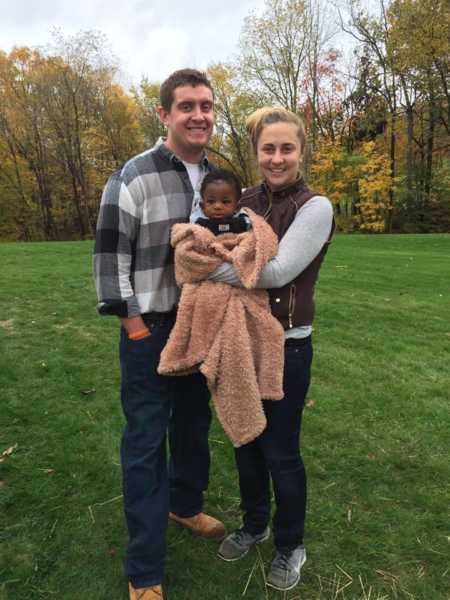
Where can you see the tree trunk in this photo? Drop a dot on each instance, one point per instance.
(429, 146)
(409, 154)
(393, 161)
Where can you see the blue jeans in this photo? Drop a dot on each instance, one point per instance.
(275, 455)
(154, 404)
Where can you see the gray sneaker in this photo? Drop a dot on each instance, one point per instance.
(237, 544)
(284, 573)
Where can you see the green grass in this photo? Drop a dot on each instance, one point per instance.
(375, 439)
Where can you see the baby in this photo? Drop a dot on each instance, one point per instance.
(218, 211)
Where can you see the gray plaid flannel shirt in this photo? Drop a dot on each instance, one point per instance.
(133, 259)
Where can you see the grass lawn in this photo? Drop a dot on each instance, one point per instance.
(376, 435)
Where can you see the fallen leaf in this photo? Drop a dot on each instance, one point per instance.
(8, 452)
(87, 392)
(112, 552)
(50, 471)
(310, 402)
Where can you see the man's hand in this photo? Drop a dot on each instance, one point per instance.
(135, 327)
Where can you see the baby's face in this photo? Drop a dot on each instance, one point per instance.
(219, 200)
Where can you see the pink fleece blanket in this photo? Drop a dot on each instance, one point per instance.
(226, 332)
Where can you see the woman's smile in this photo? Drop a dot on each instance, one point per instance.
(279, 154)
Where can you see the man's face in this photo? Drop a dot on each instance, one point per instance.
(190, 120)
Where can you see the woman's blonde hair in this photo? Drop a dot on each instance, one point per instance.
(268, 115)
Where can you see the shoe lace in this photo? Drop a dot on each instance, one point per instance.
(240, 535)
(281, 560)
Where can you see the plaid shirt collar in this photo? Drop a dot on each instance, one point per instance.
(167, 153)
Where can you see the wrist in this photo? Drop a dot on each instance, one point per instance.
(139, 334)
(133, 324)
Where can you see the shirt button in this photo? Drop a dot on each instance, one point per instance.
(277, 299)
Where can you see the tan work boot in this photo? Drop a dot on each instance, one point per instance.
(202, 524)
(153, 592)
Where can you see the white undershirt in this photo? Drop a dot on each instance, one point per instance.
(195, 172)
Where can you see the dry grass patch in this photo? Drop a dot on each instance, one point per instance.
(8, 326)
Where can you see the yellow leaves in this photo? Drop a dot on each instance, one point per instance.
(222, 76)
(362, 178)
(329, 173)
(374, 187)
(327, 158)
(336, 197)
(20, 55)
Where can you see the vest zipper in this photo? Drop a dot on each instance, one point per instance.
(269, 208)
(291, 309)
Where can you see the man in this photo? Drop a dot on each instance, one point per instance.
(135, 280)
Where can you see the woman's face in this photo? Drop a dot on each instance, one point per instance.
(279, 154)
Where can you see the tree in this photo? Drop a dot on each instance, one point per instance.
(231, 144)
(375, 184)
(358, 184)
(18, 215)
(372, 32)
(79, 71)
(147, 101)
(423, 63)
(275, 51)
(24, 128)
(367, 108)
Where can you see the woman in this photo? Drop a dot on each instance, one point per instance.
(304, 224)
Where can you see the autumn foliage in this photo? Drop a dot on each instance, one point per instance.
(378, 122)
(64, 127)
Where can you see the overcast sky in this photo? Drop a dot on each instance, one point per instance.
(149, 37)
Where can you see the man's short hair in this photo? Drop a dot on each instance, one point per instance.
(222, 175)
(178, 78)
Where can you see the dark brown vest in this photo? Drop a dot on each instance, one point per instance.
(293, 304)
